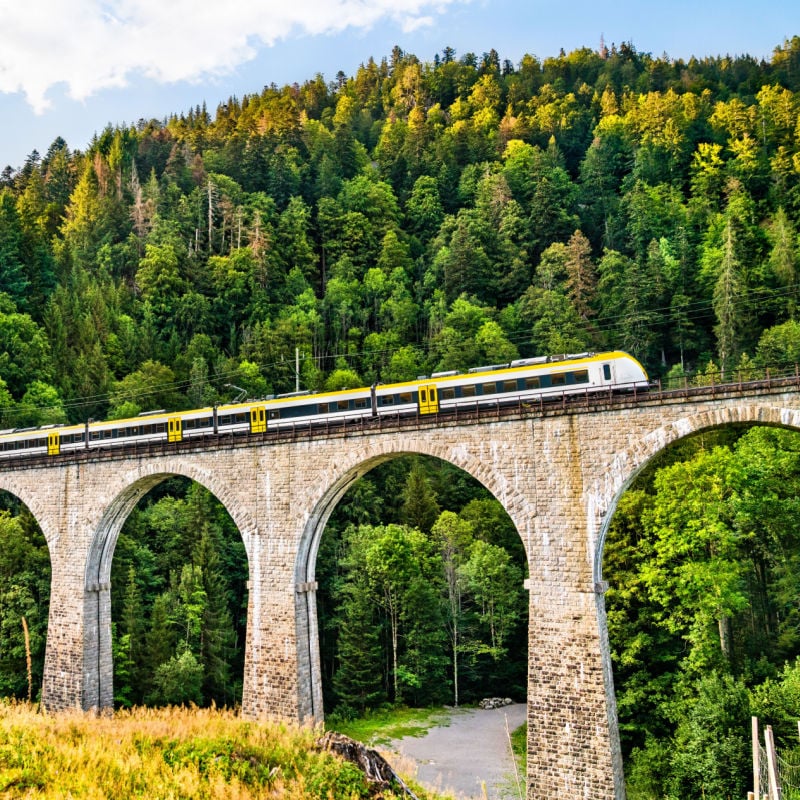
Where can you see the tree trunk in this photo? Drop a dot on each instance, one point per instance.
(725, 636)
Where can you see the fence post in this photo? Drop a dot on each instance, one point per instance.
(772, 765)
(756, 763)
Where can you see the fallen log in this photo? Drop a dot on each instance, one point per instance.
(375, 767)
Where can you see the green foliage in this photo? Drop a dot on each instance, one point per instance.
(40, 405)
(178, 681)
(711, 754)
(180, 610)
(703, 562)
(24, 592)
(425, 614)
(150, 387)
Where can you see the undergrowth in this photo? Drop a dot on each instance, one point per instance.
(167, 753)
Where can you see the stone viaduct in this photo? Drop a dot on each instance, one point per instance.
(558, 471)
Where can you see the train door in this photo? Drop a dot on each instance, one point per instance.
(258, 419)
(174, 429)
(53, 443)
(428, 399)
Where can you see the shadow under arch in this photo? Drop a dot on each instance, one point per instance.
(322, 505)
(98, 688)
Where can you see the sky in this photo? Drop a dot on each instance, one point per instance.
(70, 67)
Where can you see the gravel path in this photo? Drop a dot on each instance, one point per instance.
(473, 749)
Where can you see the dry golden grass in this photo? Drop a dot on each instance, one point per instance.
(162, 754)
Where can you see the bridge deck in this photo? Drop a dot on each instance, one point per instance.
(581, 403)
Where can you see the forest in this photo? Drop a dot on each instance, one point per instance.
(420, 216)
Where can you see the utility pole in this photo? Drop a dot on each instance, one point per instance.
(297, 369)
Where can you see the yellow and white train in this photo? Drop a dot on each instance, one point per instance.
(525, 380)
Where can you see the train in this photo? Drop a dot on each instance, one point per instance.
(525, 380)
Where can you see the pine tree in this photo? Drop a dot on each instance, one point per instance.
(420, 509)
(726, 294)
(216, 633)
(132, 640)
(358, 679)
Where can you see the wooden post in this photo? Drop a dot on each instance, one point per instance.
(756, 760)
(772, 765)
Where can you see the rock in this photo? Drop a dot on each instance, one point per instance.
(495, 702)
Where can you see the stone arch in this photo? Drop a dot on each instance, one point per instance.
(358, 462)
(625, 467)
(323, 498)
(37, 502)
(127, 491)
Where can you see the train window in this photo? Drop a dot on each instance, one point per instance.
(342, 405)
(94, 435)
(322, 408)
(447, 394)
(560, 379)
(405, 397)
(423, 395)
(198, 423)
(361, 402)
(274, 413)
(468, 391)
(488, 388)
(581, 376)
(607, 372)
(387, 400)
(509, 386)
(532, 383)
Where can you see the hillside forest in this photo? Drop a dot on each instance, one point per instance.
(421, 216)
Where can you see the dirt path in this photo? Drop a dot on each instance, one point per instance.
(473, 749)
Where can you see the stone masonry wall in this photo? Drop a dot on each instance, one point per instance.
(559, 476)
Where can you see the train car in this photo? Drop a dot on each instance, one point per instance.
(23, 441)
(525, 380)
(533, 379)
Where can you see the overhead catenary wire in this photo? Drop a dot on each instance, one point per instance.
(695, 311)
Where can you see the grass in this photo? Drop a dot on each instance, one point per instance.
(379, 727)
(167, 753)
(519, 745)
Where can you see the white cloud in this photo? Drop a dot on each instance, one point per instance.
(90, 45)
